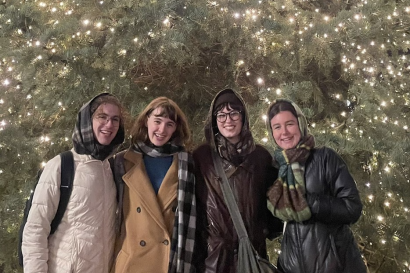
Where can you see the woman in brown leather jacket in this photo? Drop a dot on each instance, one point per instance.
(249, 171)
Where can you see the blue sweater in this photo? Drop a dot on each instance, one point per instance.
(157, 168)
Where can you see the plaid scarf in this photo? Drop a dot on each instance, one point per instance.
(235, 153)
(183, 235)
(83, 135)
(287, 194)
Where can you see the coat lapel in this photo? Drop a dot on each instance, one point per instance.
(168, 190)
(137, 180)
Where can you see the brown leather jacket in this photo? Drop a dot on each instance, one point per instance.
(249, 178)
(217, 241)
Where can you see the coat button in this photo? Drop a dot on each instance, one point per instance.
(235, 251)
(142, 243)
(138, 209)
(165, 242)
(174, 209)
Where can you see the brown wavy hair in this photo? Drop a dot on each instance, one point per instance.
(169, 109)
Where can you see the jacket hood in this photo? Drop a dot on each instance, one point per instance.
(300, 116)
(211, 127)
(83, 135)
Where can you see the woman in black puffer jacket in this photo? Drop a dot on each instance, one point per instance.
(315, 195)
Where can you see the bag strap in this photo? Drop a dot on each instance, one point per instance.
(67, 177)
(118, 170)
(229, 198)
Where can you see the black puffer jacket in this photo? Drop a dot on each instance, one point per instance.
(325, 243)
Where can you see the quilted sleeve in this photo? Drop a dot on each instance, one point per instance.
(343, 205)
(37, 229)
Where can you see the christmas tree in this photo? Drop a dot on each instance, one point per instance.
(344, 62)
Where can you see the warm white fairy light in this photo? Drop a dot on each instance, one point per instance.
(44, 139)
(380, 218)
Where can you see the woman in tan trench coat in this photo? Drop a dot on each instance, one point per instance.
(157, 199)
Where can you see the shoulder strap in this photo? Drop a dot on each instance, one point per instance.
(118, 170)
(229, 198)
(67, 177)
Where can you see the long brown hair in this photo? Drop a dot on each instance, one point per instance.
(169, 109)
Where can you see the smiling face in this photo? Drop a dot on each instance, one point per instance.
(285, 130)
(230, 129)
(106, 121)
(160, 129)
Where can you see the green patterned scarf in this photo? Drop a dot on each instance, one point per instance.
(286, 197)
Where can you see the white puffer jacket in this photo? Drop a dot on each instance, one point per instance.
(84, 240)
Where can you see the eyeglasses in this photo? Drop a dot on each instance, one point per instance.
(233, 115)
(104, 119)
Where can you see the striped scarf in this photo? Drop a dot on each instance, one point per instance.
(287, 195)
(183, 235)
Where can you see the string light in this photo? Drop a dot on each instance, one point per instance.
(356, 60)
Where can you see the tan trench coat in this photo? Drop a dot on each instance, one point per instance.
(145, 240)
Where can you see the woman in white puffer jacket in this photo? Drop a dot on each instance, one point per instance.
(84, 240)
